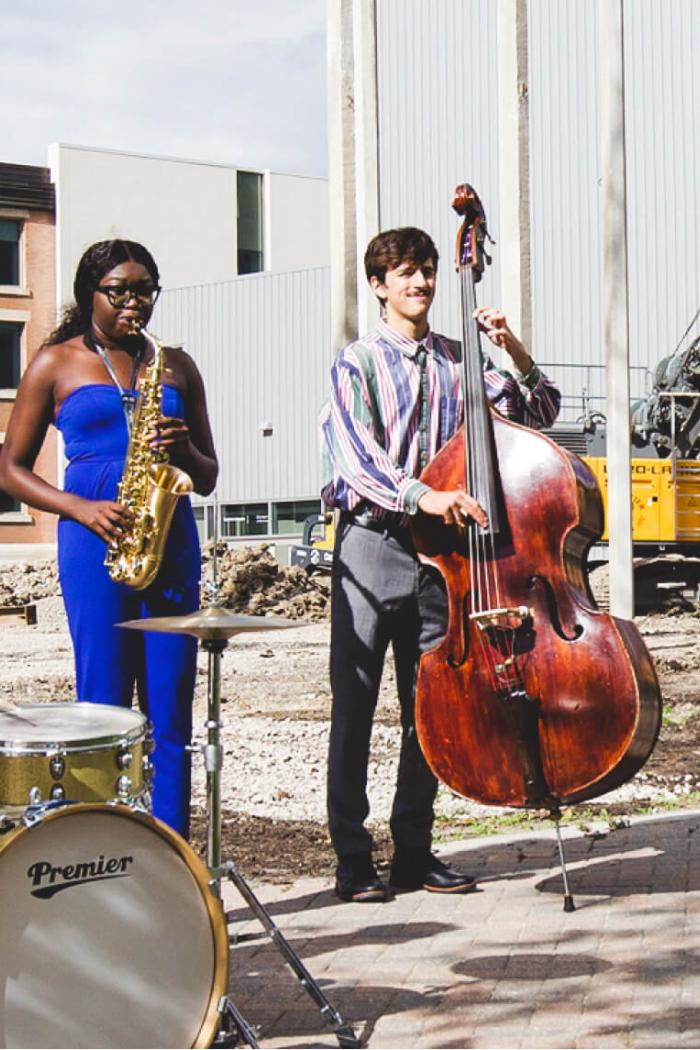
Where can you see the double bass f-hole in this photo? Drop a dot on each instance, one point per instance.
(575, 630)
(458, 660)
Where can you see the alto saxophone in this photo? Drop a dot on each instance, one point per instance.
(150, 486)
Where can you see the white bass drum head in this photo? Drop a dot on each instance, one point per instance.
(109, 934)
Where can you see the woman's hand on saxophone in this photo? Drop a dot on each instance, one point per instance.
(172, 435)
(106, 518)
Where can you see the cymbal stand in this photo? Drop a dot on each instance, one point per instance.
(343, 1031)
(213, 754)
(213, 764)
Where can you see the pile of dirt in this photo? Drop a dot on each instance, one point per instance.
(24, 582)
(668, 583)
(252, 582)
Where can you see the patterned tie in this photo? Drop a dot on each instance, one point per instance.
(424, 409)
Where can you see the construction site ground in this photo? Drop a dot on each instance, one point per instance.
(504, 966)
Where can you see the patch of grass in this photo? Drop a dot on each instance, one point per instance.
(664, 805)
(448, 828)
(587, 818)
(675, 717)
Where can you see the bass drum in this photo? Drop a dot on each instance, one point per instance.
(110, 935)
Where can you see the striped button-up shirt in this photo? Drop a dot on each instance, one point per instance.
(370, 424)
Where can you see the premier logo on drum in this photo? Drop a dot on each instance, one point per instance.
(51, 879)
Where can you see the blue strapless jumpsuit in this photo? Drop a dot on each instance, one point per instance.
(109, 660)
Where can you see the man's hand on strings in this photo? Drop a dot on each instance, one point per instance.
(454, 507)
(494, 325)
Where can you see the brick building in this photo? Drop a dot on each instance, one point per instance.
(27, 315)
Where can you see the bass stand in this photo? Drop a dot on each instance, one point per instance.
(555, 815)
(531, 759)
(497, 626)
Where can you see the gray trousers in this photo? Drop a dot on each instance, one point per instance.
(380, 594)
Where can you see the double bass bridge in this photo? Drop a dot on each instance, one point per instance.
(500, 630)
(506, 635)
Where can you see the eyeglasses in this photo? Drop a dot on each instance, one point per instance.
(120, 294)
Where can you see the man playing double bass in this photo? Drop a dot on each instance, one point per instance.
(395, 401)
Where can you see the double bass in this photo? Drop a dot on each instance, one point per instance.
(535, 697)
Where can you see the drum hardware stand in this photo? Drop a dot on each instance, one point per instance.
(213, 626)
(343, 1031)
(213, 754)
(213, 764)
(233, 1021)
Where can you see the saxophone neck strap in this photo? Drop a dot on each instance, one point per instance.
(128, 397)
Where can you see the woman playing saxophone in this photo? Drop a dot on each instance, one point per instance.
(85, 380)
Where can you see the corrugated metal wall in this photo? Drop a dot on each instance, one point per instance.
(438, 125)
(662, 50)
(438, 119)
(262, 344)
(565, 192)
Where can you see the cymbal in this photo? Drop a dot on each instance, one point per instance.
(210, 624)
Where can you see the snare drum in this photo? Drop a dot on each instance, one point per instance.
(77, 752)
(110, 934)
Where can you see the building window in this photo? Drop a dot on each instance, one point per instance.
(289, 518)
(10, 231)
(10, 356)
(244, 519)
(8, 505)
(250, 224)
(204, 520)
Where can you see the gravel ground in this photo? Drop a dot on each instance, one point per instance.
(275, 708)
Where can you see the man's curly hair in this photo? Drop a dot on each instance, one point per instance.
(389, 249)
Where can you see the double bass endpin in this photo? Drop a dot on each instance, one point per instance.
(569, 905)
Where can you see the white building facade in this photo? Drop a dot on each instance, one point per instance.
(262, 343)
(439, 120)
(204, 223)
(243, 257)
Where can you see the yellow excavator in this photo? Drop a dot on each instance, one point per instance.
(665, 467)
(315, 552)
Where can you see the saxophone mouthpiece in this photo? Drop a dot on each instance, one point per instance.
(135, 326)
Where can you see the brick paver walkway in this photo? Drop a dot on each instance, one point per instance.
(503, 967)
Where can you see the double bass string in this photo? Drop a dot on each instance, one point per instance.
(478, 468)
(474, 447)
(496, 644)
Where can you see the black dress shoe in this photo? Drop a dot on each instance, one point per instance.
(356, 879)
(426, 872)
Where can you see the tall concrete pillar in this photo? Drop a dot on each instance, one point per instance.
(353, 162)
(616, 307)
(514, 168)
